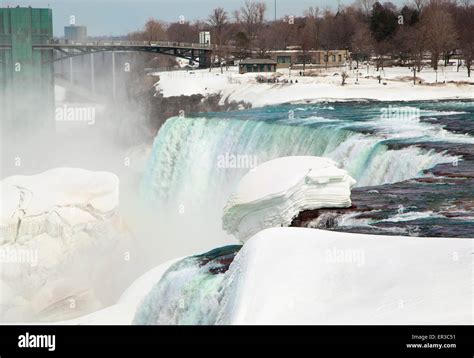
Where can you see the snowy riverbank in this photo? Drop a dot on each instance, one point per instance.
(325, 85)
(306, 276)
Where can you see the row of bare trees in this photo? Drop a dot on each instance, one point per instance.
(368, 28)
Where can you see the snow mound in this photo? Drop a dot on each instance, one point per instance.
(54, 201)
(59, 237)
(273, 193)
(307, 276)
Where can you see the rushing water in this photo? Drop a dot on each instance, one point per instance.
(415, 176)
(188, 171)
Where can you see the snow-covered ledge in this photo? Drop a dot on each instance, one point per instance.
(273, 193)
(308, 276)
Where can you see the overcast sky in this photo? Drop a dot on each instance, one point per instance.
(119, 17)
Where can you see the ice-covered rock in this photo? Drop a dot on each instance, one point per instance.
(57, 232)
(273, 193)
(54, 201)
(308, 276)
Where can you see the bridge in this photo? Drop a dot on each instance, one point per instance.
(194, 52)
(28, 52)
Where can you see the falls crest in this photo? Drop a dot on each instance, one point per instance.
(186, 153)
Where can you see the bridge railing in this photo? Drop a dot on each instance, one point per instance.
(132, 43)
(111, 43)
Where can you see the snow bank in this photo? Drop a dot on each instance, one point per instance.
(55, 200)
(308, 276)
(396, 85)
(57, 232)
(273, 193)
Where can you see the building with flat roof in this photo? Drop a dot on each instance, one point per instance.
(257, 65)
(313, 58)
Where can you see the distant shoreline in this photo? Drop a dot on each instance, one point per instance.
(326, 87)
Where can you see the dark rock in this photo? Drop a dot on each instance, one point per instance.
(218, 260)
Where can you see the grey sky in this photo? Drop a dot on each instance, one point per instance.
(118, 17)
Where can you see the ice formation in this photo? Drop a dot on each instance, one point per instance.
(57, 229)
(273, 193)
(55, 201)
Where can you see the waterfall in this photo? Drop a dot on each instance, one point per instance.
(186, 153)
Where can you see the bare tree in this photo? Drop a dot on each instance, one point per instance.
(312, 12)
(416, 47)
(154, 31)
(306, 40)
(419, 4)
(252, 17)
(362, 43)
(465, 3)
(182, 32)
(366, 6)
(465, 26)
(281, 34)
(313, 26)
(440, 31)
(344, 77)
(218, 22)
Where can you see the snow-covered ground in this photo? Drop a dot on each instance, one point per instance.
(396, 84)
(273, 193)
(307, 276)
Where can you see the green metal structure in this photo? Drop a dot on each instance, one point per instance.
(28, 53)
(26, 72)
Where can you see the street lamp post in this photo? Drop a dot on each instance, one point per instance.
(275, 10)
